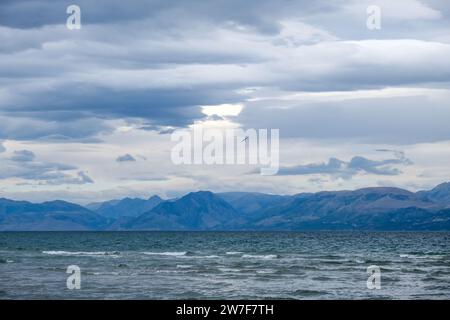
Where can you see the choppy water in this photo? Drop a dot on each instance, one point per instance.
(224, 265)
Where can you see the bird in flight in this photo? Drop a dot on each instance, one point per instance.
(245, 139)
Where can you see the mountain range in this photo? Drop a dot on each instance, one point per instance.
(379, 208)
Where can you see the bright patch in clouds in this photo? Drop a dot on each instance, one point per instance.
(223, 110)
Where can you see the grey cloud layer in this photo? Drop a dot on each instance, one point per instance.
(412, 117)
(160, 61)
(23, 165)
(347, 169)
(262, 15)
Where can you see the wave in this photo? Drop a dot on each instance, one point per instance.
(307, 293)
(233, 252)
(422, 256)
(82, 253)
(266, 271)
(169, 253)
(6, 261)
(256, 256)
(229, 269)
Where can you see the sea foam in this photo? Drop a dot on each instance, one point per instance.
(171, 253)
(81, 253)
(256, 256)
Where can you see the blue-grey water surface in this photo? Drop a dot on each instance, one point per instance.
(224, 265)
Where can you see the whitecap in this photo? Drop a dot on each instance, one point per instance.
(6, 261)
(81, 253)
(229, 270)
(265, 271)
(106, 273)
(174, 253)
(213, 256)
(267, 256)
(233, 252)
(423, 256)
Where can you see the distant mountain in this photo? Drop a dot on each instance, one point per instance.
(440, 193)
(201, 210)
(363, 209)
(97, 205)
(128, 207)
(251, 203)
(47, 216)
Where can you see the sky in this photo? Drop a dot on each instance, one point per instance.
(87, 114)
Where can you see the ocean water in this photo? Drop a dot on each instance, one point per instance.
(224, 265)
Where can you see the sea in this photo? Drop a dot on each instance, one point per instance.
(224, 265)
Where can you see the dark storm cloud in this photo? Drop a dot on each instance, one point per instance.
(165, 106)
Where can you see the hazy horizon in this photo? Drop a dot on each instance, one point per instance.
(150, 195)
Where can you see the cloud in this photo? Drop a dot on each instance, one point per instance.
(23, 165)
(126, 158)
(309, 68)
(383, 167)
(159, 129)
(386, 116)
(398, 154)
(180, 12)
(52, 127)
(80, 178)
(399, 10)
(331, 167)
(23, 156)
(128, 63)
(343, 169)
